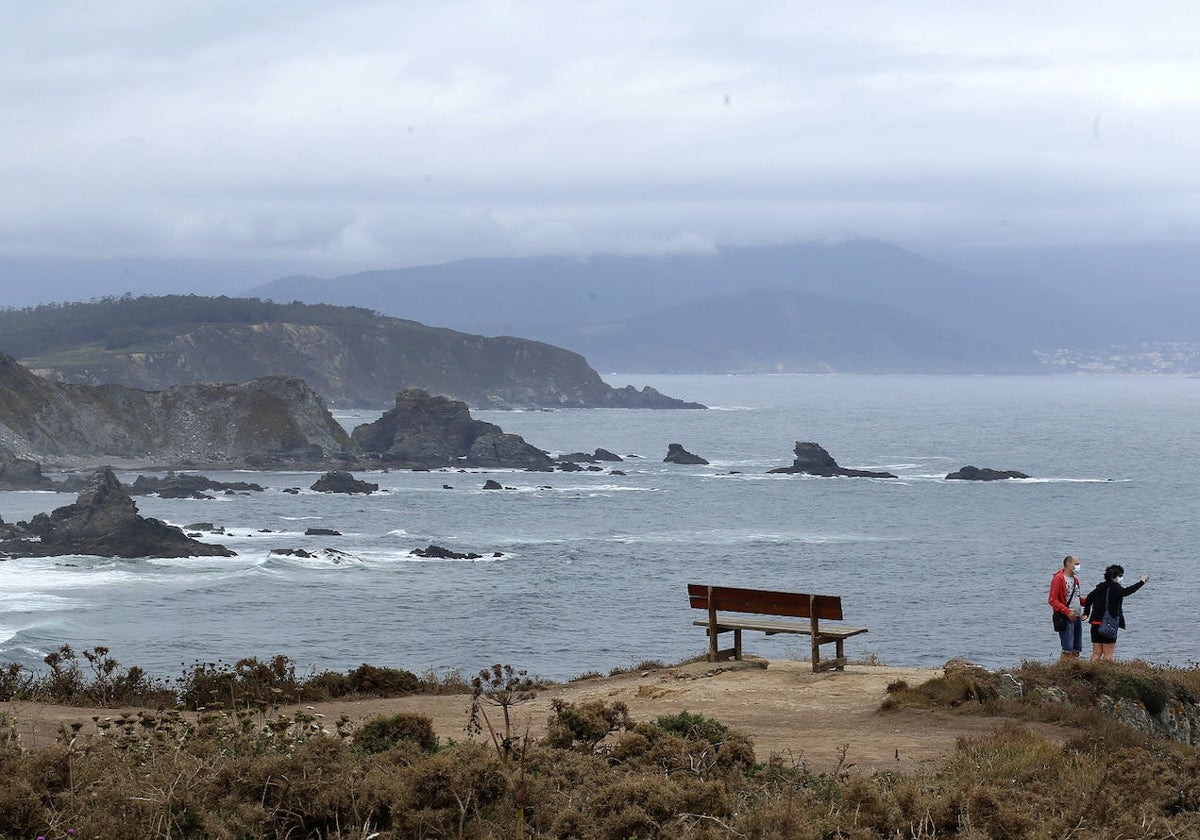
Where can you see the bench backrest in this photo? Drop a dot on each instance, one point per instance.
(764, 602)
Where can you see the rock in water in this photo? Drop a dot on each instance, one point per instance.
(340, 481)
(812, 459)
(969, 473)
(21, 473)
(676, 454)
(424, 431)
(104, 521)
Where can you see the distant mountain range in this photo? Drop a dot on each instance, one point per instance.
(860, 306)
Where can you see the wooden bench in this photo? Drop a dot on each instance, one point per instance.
(764, 602)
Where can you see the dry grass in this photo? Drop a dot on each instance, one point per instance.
(601, 775)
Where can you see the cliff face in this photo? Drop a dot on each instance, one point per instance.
(269, 422)
(362, 364)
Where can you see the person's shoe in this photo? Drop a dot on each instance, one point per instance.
(1064, 656)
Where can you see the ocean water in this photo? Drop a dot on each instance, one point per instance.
(593, 566)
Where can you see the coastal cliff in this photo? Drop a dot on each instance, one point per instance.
(273, 422)
(352, 357)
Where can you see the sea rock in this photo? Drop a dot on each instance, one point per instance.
(812, 459)
(340, 481)
(440, 553)
(424, 431)
(293, 552)
(676, 454)
(491, 484)
(21, 473)
(186, 486)
(11, 531)
(969, 473)
(598, 455)
(321, 532)
(104, 521)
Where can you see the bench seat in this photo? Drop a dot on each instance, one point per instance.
(771, 626)
(760, 610)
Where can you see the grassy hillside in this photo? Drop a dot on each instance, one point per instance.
(74, 333)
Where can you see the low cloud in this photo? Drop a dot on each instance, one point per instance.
(392, 134)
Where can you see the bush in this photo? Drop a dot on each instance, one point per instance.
(687, 725)
(585, 725)
(246, 684)
(364, 681)
(382, 733)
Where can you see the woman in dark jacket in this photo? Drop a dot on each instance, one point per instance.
(1108, 596)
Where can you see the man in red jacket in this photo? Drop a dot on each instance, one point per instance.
(1067, 604)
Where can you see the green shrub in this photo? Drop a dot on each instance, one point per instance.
(382, 733)
(687, 725)
(585, 725)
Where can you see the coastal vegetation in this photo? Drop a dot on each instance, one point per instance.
(240, 767)
(89, 329)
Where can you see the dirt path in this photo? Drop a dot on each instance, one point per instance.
(821, 720)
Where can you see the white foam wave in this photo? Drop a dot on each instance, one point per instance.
(487, 558)
(34, 602)
(1053, 480)
(326, 559)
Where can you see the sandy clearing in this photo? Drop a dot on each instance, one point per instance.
(820, 720)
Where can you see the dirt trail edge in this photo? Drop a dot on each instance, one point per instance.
(823, 721)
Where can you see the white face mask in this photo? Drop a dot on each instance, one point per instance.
(1076, 572)
(1121, 579)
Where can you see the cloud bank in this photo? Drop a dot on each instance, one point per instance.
(387, 134)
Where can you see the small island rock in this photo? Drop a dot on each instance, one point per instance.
(970, 473)
(676, 454)
(340, 481)
(812, 459)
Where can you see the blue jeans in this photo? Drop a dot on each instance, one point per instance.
(1071, 636)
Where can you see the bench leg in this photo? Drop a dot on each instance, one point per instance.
(737, 643)
(841, 655)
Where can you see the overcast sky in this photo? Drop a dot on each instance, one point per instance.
(393, 133)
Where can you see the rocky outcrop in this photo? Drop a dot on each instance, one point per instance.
(676, 454)
(340, 481)
(275, 422)
(424, 431)
(585, 458)
(21, 473)
(104, 521)
(437, 552)
(352, 357)
(812, 459)
(969, 473)
(188, 486)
